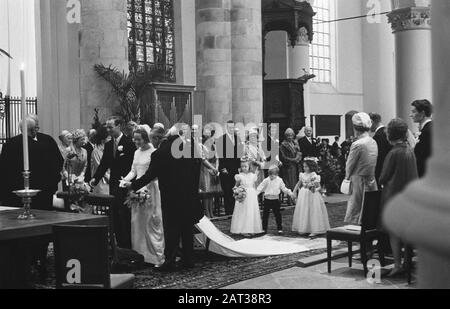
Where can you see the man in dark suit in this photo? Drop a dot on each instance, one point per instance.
(335, 147)
(46, 164)
(380, 136)
(421, 113)
(89, 148)
(308, 144)
(178, 175)
(118, 158)
(230, 150)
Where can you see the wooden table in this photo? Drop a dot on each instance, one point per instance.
(16, 239)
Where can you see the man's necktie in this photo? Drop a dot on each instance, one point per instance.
(115, 148)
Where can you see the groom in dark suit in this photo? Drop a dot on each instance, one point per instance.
(118, 158)
(178, 174)
(380, 136)
(422, 114)
(230, 150)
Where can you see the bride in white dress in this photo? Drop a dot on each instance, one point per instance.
(147, 235)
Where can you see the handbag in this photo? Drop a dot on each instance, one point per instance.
(346, 187)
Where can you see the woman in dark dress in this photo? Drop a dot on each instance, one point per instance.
(290, 157)
(399, 170)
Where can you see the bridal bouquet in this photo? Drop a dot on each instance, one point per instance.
(240, 194)
(138, 199)
(312, 185)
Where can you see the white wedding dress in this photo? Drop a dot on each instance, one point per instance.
(147, 234)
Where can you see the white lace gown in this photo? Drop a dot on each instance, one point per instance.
(310, 216)
(147, 234)
(247, 216)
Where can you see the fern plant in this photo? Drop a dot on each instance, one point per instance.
(128, 88)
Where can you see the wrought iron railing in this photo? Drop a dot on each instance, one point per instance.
(11, 114)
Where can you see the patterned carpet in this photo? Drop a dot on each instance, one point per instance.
(213, 271)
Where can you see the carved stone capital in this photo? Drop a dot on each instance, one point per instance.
(412, 18)
(301, 37)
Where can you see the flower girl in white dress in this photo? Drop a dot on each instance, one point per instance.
(246, 217)
(147, 235)
(310, 216)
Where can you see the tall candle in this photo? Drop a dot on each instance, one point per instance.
(26, 162)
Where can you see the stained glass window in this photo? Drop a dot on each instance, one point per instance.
(151, 37)
(320, 49)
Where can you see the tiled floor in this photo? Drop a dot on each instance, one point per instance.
(317, 277)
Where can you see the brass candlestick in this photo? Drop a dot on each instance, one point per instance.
(26, 195)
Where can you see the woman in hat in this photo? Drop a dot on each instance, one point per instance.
(290, 157)
(76, 159)
(360, 170)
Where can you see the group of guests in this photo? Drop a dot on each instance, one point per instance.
(158, 193)
(389, 161)
(331, 159)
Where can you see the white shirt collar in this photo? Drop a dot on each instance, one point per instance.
(379, 128)
(117, 140)
(424, 124)
(231, 137)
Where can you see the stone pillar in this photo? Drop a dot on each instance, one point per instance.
(411, 24)
(214, 59)
(229, 59)
(421, 215)
(57, 68)
(103, 40)
(246, 57)
(298, 62)
(299, 55)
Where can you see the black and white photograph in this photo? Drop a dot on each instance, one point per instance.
(224, 149)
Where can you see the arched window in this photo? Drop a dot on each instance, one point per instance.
(320, 49)
(151, 37)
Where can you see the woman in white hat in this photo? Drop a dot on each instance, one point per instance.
(360, 170)
(253, 151)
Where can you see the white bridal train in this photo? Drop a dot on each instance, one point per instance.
(217, 242)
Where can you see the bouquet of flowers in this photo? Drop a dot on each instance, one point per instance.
(138, 199)
(312, 184)
(77, 192)
(239, 194)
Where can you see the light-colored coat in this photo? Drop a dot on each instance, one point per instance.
(360, 169)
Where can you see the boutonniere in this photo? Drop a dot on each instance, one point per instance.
(417, 136)
(120, 148)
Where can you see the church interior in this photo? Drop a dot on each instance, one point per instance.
(297, 63)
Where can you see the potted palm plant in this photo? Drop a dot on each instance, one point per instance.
(129, 88)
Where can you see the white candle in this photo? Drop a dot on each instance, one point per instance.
(26, 162)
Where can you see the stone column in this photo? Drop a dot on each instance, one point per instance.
(298, 62)
(299, 55)
(421, 215)
(229, 59)
(103, 40)
(214, 59)
(246, 55)
(57, 67)
(411, 24)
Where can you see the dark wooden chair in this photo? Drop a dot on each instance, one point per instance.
(81, 259)
(369, 232)
(409, 255)
(101, 205)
